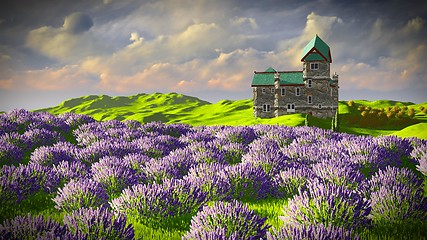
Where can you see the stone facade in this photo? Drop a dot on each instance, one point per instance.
(311, 91)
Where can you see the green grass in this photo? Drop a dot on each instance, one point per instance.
(178, 108)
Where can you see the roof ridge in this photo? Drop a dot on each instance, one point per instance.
(293, 71)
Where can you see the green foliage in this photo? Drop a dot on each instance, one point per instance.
(380, 118)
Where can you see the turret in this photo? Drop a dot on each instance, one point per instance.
(316, 59)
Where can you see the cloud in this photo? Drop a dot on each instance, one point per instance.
(315, 24)
(71, 42)
(77, 23)
(48, 79)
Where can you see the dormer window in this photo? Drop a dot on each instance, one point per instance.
(314, 66)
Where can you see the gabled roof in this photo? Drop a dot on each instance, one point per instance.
(286, 77)
(316, 50)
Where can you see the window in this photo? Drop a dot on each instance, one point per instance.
(291, 108)
(309, 99)
(332, 91)
(309, 83)
(272, 90)
(314, 66)
(263, 90)
(266, 107)
(283, 91)
(297, 91)
(320, 106)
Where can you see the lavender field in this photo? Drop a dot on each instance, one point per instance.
(71, 177)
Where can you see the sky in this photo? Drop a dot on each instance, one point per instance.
(51, 51)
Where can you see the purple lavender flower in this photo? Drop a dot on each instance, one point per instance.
(265, 153)
(10, 154)
(419, 153)
(233, 152)
(318, 232)
(44, 177)
(74, 120)
(156, 147)
(83, 193)
(41, 137)
(197, 136)
(244, 135)
(137, 162)
(113, 130)
(393, 176)
(397, 196)
(169, 167)
(155, 203)
(71, 170)
(14, 138)
(7, 125)
(52, 155)
(103, 148)
(327, 204)
(174, 130)
(99, 223)
(248, 182)
(398, 203)
(234, 218)
(216, 186)
(341, 173)
(16, 184)
(291, 180)
(114, 175)
(33, 227)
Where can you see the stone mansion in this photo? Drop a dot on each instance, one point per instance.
(311, 91)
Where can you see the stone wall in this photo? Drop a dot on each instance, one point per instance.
(321, 92)
(322, 72)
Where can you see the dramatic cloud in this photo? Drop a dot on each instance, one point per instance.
(125, 47)
(67, 43)
(77, 23)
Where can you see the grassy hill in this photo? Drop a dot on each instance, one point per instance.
(178, 108)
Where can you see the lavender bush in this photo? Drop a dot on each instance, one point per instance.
(114, 175)
(290, 181)
(227, 220)
(248, 182)
(327, 204)
(33, 227)
(318, 232)
(52, 155)
(98, 223)
(397, 196)
(341, 173)
(206, 176)
(419, 153)
(151, 204)
(74, 170)
(83, 193)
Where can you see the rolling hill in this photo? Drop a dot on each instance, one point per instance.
(179, 108)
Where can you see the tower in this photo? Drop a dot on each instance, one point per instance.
(316, 60)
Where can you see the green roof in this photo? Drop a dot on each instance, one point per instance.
(316, 50)
(286, 78)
